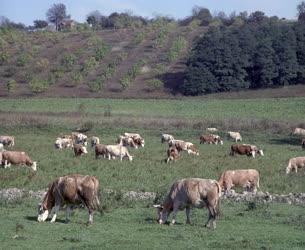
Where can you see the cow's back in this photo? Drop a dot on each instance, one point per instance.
(15, 157)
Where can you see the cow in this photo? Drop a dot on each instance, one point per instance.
(235, 135)
(1, 147)
(212, 129)
(210, 139)
(94, 141)
(184, 146)
(126, 141)
(248, 179)
(295, 163)
(100, 149)
(79, 150)
(62, 143)
(303, 143)
(172, 154)
(245, 149)
(299, 131)
(135, 136)
(72, 190)
(81, 139)
(190, 192)
(166, 138)
(7, 140)
(17, 158)
(117, 151)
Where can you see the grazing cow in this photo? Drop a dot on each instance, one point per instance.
(117, 151)
(299, 131)
(7, 140)
(135, 136)
(235, 135)
(245, 149)
(172, 154)
(17, 158)
(81, 139)
(94, 141)
(245, 178)
(184, 146)
(166, 138)
(190, 192)
(295, 163)
(210, 139)
(303, 143)
(126, 141)
(100, 149)
(72, 190)
(79, 149)
(61, 143)
(212, 129)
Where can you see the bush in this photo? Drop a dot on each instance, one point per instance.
(38, 86)
(139, 37)
(3, 57)
(68, 61)
(160, 69)
(22, 60)
(125, 81)
(89, 64)
(96, 85)
(178, 45)
(42, 64)
(9, 72)
(100, 52)
(74, 79)
(155, 83)
(11, 85)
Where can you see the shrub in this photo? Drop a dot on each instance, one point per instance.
(95, 41)
(178, 45)
(160, 69)
(58, 71)
(9, 72)
(42, 64)
(136, 68)
(11, 85)
(89, 65)
(100, 52)
(96, 85)
(125, 81)
(74, 79)
(38, 85)
(3, 57)
(68, 61)
(155, 83)
(139, 37)
(22, 60)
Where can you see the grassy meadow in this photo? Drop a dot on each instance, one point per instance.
(267, 123)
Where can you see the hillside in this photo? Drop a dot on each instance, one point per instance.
(150, 61)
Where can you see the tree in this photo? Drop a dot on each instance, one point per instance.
(40, 24)
(257, 17)
(56, 14)
(94, 18)
(203, 14)
(301, 11)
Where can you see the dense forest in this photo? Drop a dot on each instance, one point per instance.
(254, 52)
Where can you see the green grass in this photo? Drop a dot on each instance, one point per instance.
(274, 226)
(284, 109)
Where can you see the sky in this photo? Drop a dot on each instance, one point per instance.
(26, 11)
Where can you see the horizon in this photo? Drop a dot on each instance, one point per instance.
(28, 11)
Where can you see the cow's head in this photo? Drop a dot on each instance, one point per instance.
(162, 215)
(260, 152)
(43, 212)
(130, 158)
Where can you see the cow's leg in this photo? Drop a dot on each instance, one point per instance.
(175, 211)
(55, 211)
(187, 213)
(109, 157)
(212, 215)
(68, 213)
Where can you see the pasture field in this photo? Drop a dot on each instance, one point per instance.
(36, 123)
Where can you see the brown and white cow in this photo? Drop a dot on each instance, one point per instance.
(17, 158)
(94, 141)
(7, 140)
(172, 154)
(1, 147)
(81, 139)
(245, 149)
(184, 146)
(136, 136)
(72, 190)
(210, 139)
(235, 136)
(248, 179)
(166, 138)
(191, 192)
(295, 163)
(114, 151)
(126, 141)
(62, 143)
(100, 149)
(299, 131)
(79, 150)
(303, 143)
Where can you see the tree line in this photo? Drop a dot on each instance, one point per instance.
(255, 52)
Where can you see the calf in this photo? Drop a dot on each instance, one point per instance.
(295, 163)
(100, 149)
(166, 138)
(126, 141)
(117, 151)
(17, 158)
(210, 139)
(79, 150)
(235, 135)
(190, 192)
(184, 146)
(172, 154)
(245, 178)
(7, 140)
(72, 190)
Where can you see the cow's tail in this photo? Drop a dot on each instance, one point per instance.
(217, 207)
(96, 202)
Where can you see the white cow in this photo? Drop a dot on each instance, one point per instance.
(117, 151)
(235, 135)
(166, 138)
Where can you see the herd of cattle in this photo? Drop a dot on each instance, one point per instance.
(76, 189)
